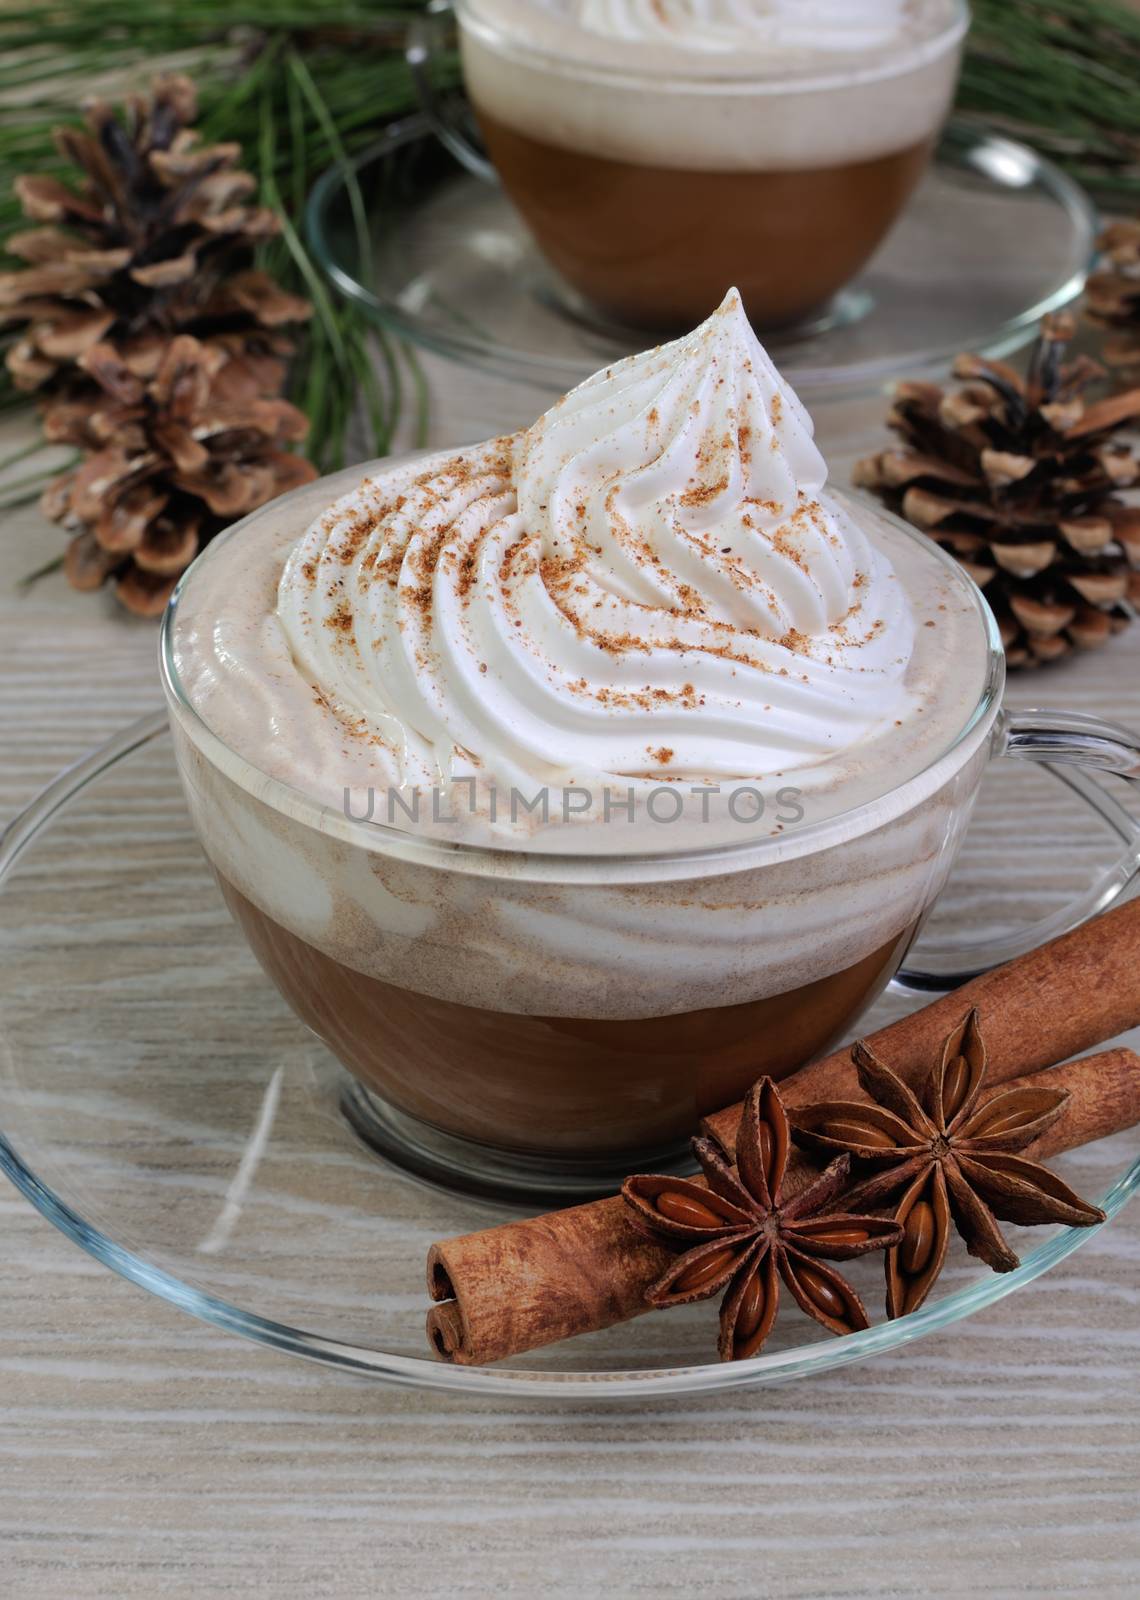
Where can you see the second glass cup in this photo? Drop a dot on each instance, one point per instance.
(649, 188)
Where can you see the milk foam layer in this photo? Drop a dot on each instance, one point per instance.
(722, 85)
(518, 938)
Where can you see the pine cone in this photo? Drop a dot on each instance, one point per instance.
(148, 246)
(1113, 295)
(1017, 478)
(172, 458)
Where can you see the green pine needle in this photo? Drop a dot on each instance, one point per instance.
(1064, 76)
(30, 579)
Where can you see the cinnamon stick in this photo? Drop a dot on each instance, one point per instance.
(1104, 1098)
(526, 1284)
(1067, 996)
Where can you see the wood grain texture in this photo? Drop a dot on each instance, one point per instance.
(144, 1455)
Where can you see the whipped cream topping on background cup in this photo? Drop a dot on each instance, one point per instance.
(745, 86)
(801, 27)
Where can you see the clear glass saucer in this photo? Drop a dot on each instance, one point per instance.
(995, 237)
(161, 1106)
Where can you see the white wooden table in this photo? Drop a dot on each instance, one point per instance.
(142, 1454)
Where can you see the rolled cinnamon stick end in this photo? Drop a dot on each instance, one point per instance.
(526, 1284)
(531, 1283)
(1070, 995)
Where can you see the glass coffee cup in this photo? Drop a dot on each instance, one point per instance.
(650, 176)
(540, 1022)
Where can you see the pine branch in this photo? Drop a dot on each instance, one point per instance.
(300, 84)
(1064, 76)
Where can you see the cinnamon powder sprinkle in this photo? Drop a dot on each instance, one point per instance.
(356, 727)
(703, 493)
(467, 567)
(339, 621)
(413, 553)
(353, 538)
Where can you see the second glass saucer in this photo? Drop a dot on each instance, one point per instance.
(995, 237)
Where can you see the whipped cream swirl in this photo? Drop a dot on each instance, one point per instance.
(716, 25)
(647, 583)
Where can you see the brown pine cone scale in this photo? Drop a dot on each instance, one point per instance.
(1113, 295)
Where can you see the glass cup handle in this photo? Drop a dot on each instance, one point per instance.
(448, 115)
(1070, 746)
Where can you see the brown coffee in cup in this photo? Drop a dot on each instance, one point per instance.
(657, 155)
(637, 1084)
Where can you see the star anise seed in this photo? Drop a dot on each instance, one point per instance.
(739, 1235)
(951, 1153)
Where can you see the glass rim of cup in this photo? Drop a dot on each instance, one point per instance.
(630, 73)
(570, 865)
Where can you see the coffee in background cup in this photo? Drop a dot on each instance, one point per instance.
(659, 149)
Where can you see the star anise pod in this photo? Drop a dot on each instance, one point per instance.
(951, 1153)
(741, 1235)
